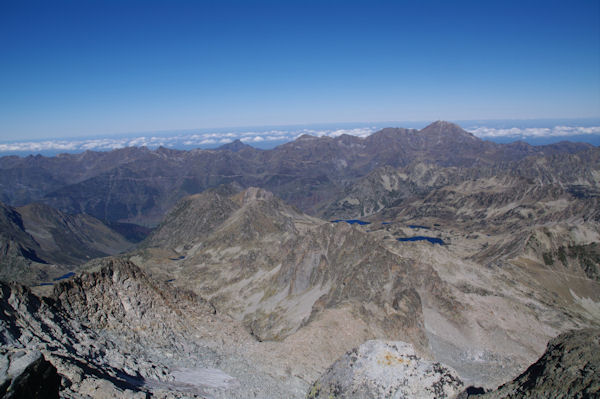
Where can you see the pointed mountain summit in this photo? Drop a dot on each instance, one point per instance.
(448, 130)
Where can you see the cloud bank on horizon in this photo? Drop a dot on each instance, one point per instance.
(557, 131)
(185, 140)
(265, 138)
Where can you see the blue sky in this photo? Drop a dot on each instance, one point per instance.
(82, 68)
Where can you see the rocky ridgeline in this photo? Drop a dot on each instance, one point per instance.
(139, 185)
(278, 270)
(114, 332)
(386, 369)
(570, 368)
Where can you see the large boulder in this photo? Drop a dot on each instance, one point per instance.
(386, 369)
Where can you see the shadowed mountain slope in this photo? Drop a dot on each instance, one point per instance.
(40, 243)
(570, 368)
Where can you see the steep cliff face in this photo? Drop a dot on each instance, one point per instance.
(26, 374)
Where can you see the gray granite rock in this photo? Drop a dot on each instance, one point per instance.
(386, 369)
(27, 374)
(570, 368)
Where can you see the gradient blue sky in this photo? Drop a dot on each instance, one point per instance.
(80, 68)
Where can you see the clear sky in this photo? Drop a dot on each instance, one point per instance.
(78, 68)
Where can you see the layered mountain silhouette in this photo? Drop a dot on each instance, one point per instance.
(139, 186)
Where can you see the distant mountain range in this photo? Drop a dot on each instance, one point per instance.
(137, 185)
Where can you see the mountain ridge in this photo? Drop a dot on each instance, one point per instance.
(137, 185)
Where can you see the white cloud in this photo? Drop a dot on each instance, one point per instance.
(556, 131)
(212, 138)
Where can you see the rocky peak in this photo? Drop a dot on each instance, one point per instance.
(117, 292)
(254, 194)
(446, 129)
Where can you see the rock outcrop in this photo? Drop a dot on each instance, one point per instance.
(27, 374)
(115, 332)
(570, 368)
(386, 369)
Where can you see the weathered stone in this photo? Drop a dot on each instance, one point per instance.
(386, 369)
(570, 368)
(27, 374)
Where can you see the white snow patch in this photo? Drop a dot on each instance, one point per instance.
(204, 377)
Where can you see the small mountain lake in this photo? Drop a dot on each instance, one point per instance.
(433, 240)
(351, 221)
(64, 276)
(418, 226)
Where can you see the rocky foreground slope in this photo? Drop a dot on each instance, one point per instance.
(386, 369)
(114, 332)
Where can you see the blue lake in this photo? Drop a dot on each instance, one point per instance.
(64, 276)
(433, 240)
(351, 221)
(417, 226)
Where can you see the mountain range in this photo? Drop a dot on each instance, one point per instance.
(237, 272)
(137, 185)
